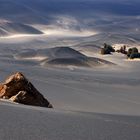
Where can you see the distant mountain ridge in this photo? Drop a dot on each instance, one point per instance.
(97, 15)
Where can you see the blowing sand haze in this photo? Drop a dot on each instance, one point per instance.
(72, 69)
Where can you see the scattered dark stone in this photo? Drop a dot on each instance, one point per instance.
(122, 50)
(108, 49)
(133, 53)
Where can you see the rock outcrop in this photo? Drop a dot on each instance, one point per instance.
(18, 89)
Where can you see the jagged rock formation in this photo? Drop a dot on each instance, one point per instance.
(18, 89)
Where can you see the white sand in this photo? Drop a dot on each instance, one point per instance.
(68, 32)
(78, 95)
(102, 103)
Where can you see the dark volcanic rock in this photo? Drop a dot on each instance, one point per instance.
(18, 89)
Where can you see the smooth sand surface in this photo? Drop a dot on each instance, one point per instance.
(98, 103)
(29, 123)
(101, 103)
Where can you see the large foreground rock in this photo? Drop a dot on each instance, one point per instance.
(18, 89)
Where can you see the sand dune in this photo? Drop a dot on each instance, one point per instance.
(68, 32)
(56, 44)
(32, 123)
(61, 56)
(75, 94)
(110, 38)
(79, 62)
(63, 14)
(10, 29)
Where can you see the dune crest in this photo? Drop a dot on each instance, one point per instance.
(13, 28)
(61, 56)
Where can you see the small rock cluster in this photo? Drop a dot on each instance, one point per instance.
(133, 53)
(108, 49)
